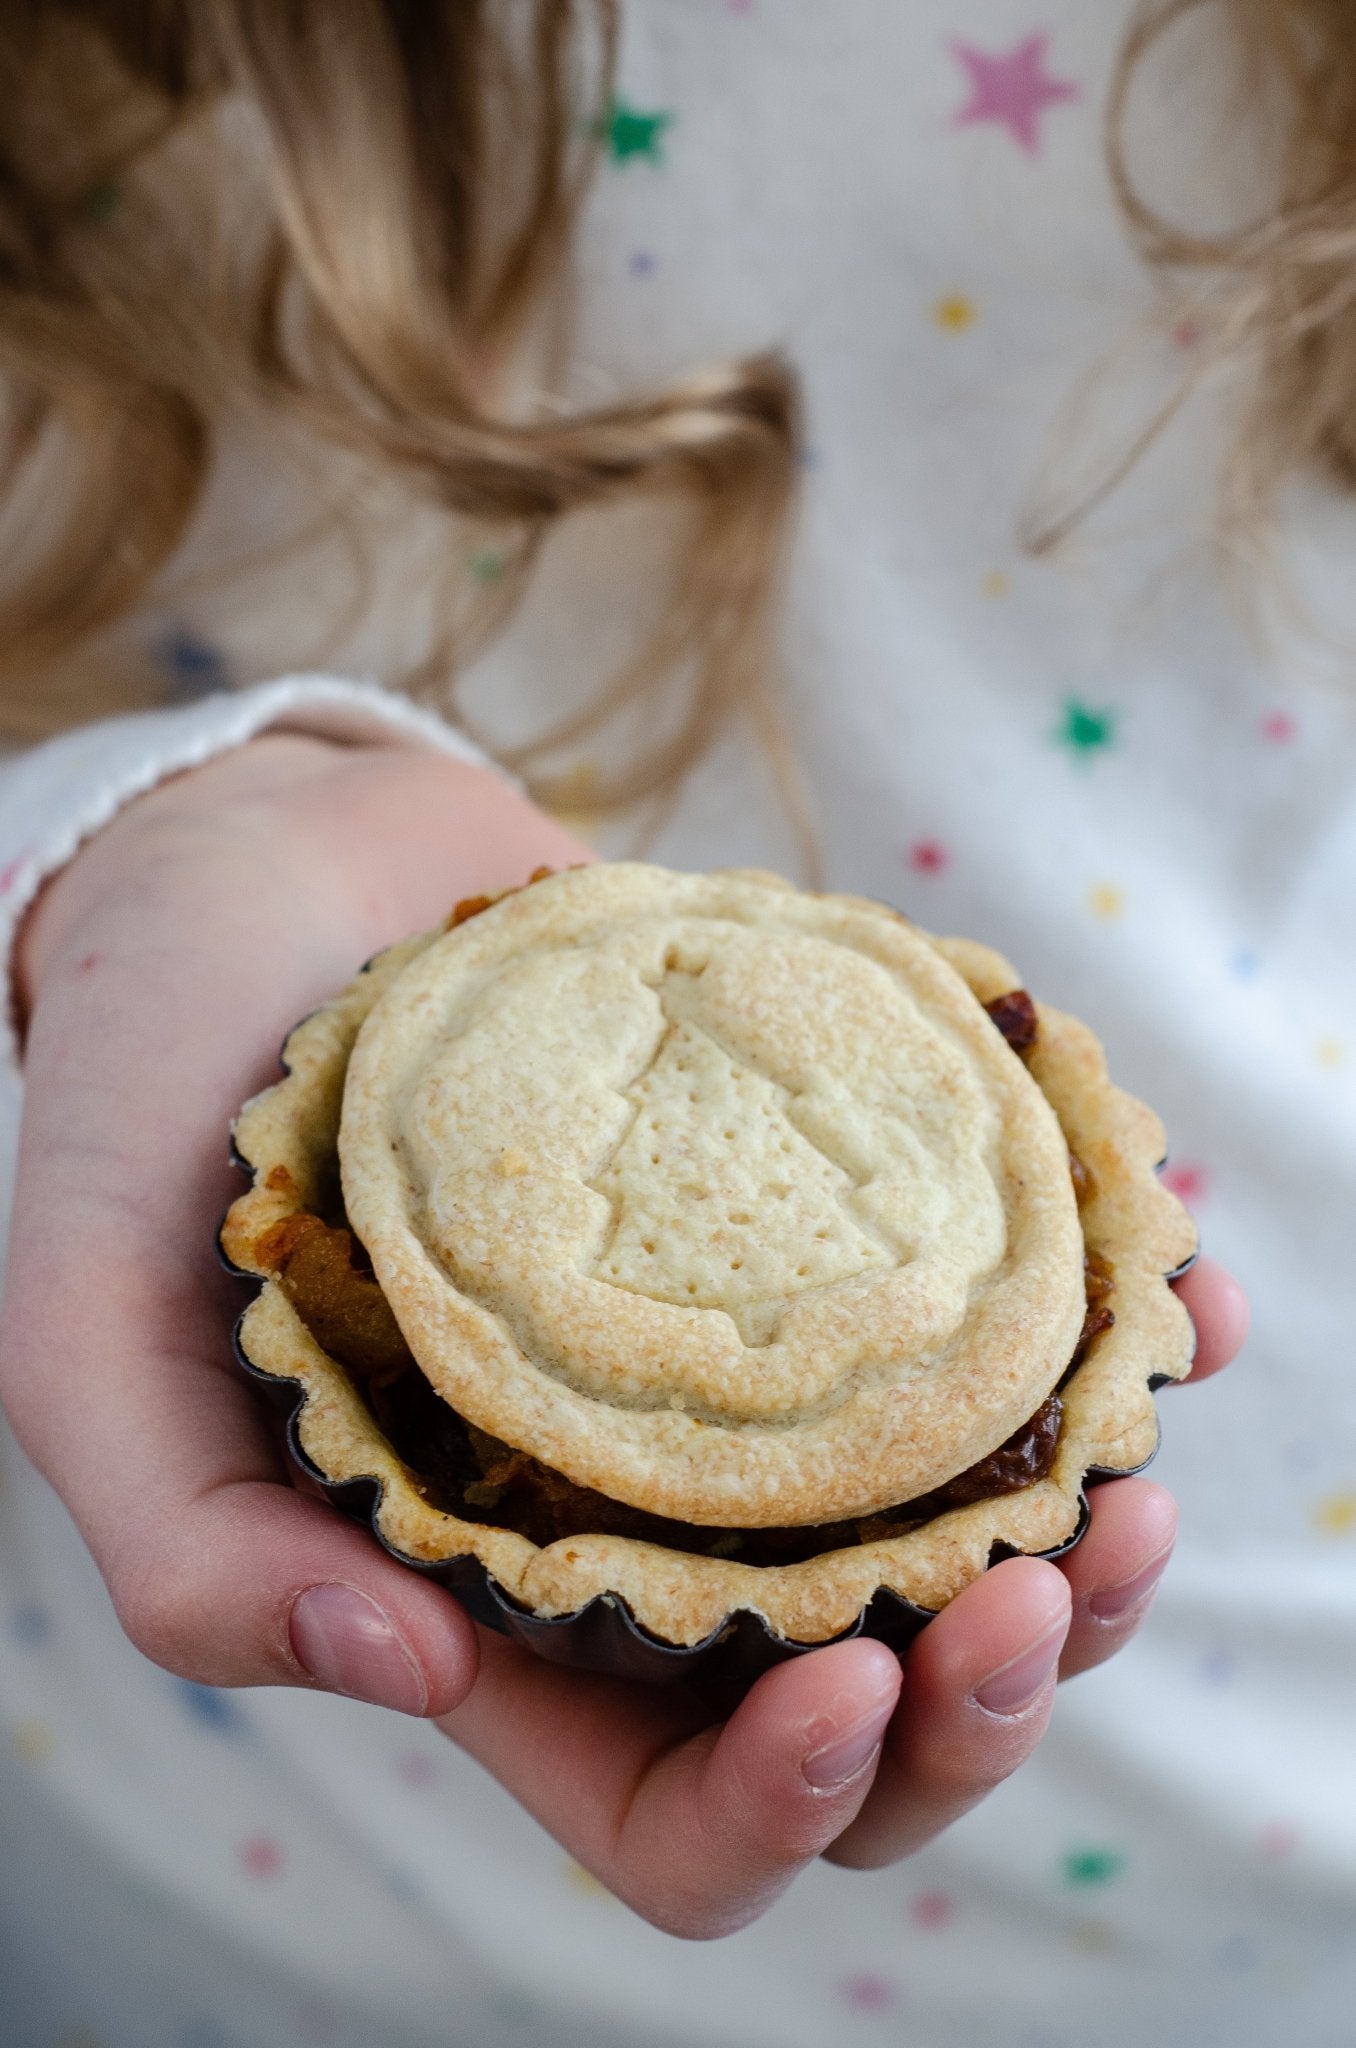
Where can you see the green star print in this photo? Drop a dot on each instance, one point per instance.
(627, 132)
(1092, 1866)
(1085, 732)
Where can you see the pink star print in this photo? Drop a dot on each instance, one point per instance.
(928, 857)
(10, 872)
(417, 1769)
(261, 1856)
(1187, 1182)
(1013, 90)
(868, 1993)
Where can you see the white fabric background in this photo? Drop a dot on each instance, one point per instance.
(194, 1870)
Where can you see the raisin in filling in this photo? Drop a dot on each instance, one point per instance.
(1015, 1016)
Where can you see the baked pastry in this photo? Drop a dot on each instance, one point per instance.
(704, 1248)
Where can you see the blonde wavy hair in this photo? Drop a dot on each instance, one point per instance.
(419, 166)
(1271, 299)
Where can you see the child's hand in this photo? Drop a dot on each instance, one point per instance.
(161, 968)
(700, 1825)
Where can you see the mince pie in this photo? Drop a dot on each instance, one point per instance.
(708, 1248)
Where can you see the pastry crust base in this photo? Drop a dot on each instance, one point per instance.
(288, 1138)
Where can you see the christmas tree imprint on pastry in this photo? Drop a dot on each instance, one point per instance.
(718, 1199)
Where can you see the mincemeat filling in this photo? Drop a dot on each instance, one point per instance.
(463, 1471)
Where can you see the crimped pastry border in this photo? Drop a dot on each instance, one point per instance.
(286, 1138)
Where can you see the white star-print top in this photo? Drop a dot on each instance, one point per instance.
(1088, 759)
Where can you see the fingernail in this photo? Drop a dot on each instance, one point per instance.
(843, 1759)
(1016, 1684)
(1111, 1602)
(349, 1645)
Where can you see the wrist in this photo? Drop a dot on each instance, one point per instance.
(120, 858)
